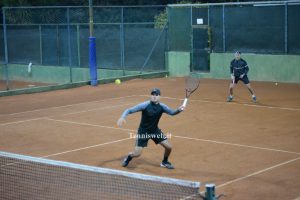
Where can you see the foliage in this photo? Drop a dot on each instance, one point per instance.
(160, 20)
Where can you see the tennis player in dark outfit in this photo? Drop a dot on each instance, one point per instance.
(238, 70)
(148, 129)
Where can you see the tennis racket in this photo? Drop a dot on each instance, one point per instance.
(191, 85)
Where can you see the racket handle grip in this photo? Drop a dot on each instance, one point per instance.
(185, 102)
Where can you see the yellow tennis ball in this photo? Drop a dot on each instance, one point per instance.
(118, 81)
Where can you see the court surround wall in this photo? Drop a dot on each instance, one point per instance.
(57, 75)
(178, 63)
(263, 67)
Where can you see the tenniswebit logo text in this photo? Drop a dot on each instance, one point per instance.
(150, 136)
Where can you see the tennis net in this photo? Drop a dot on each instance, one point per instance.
(26, 177)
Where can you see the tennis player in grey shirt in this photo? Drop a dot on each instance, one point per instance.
(148, 129)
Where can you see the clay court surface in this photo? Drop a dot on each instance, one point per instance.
(12, 85)
(249, 150)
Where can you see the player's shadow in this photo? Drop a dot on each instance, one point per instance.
(135, 163)
(108, 162)
(141, 163)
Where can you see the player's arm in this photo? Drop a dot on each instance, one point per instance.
(170, 111)
(129, 111)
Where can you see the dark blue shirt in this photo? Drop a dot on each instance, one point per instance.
(151, 114)
(239, 67)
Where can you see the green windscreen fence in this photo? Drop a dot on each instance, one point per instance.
(258, 29)
(56, 41)
(179, 28)
(293, 29)
(263, 28)
(135, 39)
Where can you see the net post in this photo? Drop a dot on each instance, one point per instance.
(210, 192)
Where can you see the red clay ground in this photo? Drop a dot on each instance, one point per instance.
(249, 150)
(20, 85)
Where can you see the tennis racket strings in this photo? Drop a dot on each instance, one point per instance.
(191, 85)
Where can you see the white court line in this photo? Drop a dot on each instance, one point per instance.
(190, 138)
(239, 145)
(56, 107)
(297, 198)
(73, 150)
(72, 113)
(83, 148)
(22, 121)
(87, 124)
(258, 172)
(221, 185)
(177, 136)
(231, 103)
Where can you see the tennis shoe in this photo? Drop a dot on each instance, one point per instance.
(126, 161)
(229, 98)
(167, 165)
(254, 99)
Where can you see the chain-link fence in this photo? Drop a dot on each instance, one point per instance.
(265, 28)
(134, 39)
(127, 39)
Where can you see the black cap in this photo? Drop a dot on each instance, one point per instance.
(155, 91)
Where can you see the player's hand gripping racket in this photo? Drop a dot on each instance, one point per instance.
(191, 85)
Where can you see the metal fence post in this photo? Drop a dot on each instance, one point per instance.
(41, 44)
(57, 45)
(5, 50)
(122, 42)
(224, 38)
(78, 45)
(286, 28)
(69, 44)
(192, 41)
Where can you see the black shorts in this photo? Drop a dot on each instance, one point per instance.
(245, 79)
(143, 136)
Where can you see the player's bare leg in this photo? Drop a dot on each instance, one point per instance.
(230, 96)
(251, 91)
(168, 149)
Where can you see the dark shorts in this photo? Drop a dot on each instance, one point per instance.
(142, 137)
(245, 79)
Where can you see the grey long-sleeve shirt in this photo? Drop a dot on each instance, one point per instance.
(151, 114)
